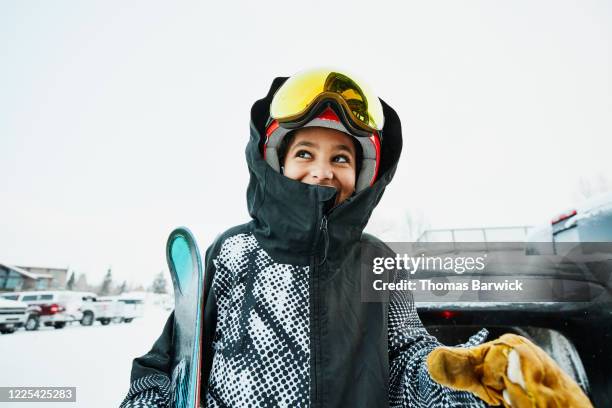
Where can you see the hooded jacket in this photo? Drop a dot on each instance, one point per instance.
(284, 320)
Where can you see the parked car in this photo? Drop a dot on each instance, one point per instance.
(112, 309)
(32, 311)
(95, 309)
(13, 315)
(122, 308)
(133, 307)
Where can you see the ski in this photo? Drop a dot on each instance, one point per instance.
(184, 262)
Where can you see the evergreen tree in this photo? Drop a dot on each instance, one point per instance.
(123, 287)
(71, 282)
(107, 284)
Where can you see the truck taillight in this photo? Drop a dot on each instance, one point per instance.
(563, 217)
(448, 314)
(55, 308)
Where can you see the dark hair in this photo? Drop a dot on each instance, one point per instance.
(283, 147)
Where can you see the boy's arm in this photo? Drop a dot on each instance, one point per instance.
(409, 345)
(158, 360)
(150, 378)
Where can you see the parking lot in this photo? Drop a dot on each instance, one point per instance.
(95, 359)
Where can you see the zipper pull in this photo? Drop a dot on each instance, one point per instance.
(325, 237)
(324, 224)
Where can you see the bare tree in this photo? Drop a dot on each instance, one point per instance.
(588, 188)
(160, 283)
(408, 227)
(415, 224)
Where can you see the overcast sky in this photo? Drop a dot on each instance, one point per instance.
(121, 120)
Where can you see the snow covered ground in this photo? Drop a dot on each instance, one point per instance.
(96, 359)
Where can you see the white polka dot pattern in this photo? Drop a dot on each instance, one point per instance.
(147, 392)
(262, 354)
(409, 345)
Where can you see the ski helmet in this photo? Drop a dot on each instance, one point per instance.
(329, 99)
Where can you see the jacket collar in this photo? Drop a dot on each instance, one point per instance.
(287, 214)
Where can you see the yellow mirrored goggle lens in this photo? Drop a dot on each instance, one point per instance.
(301, 92)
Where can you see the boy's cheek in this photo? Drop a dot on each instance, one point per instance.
(291, 171)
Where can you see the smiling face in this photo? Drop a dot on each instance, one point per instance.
(322, 156)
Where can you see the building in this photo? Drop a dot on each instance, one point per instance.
(59, 275)
(18, 278)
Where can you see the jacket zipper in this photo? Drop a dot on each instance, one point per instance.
(316, 304)
(323, 228)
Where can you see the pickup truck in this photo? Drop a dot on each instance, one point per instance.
(121, 308)
(107, 309)
(13, 315)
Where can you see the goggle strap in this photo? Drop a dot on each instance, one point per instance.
(318, 108)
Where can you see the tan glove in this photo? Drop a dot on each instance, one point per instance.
(510, 370)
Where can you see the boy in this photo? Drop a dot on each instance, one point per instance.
(284, 324)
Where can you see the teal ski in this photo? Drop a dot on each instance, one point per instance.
(185, 265)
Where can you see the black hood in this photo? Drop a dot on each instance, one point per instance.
(286, 213)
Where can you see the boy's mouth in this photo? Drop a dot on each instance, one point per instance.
(327, 185)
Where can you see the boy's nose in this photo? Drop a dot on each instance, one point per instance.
(322, 171)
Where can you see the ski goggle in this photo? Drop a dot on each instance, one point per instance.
(307, 93)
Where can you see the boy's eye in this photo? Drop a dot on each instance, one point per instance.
(303, 154)
(342, 159)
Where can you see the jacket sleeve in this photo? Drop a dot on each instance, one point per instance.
(410, 384)
(150, 378)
